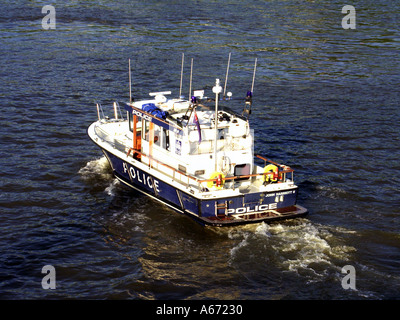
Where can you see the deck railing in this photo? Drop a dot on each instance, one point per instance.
(116, 108)
(175, 172)
(178, 174)
(285, 169)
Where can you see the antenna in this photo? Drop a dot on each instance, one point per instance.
(180, 89)
(130, 84)
(191, 73)
(247, 106)
(227, 69)
(217, 90)
(254, 75)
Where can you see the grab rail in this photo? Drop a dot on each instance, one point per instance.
(99, 108)
(116, 107)
(163, 164)
(285, 170)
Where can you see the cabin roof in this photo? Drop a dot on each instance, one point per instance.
(173, 112)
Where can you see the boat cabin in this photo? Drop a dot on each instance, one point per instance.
(181, 134)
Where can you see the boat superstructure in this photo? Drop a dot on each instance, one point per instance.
(196, 156)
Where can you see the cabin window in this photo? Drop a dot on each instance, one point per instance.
(157, 135)
(242, 169)
(145, 132)
(165, 140)
(130, 117)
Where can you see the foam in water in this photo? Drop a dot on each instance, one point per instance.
(110, 190)
(305, 248)
(96, 168)
(98, 172)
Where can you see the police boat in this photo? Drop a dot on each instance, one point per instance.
(196, 157)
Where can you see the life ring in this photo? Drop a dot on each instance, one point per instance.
(217, 180)
(271, 173)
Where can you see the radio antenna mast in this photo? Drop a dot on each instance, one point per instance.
(130, 83)
(191, 73)
(180, 89)
(254, 75)
(226, 76)
(249, 96)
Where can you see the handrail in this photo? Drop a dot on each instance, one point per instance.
(163, 164)
(99, 108)
(270, 161)
(286, 170)
(116, 104)
(246, 176)
(116, 107)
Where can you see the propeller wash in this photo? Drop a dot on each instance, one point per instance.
(196, 157)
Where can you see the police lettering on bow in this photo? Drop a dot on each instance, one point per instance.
(141, 177)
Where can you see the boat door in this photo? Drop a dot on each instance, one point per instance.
(147, 138)
(137, 134)
(135, 126)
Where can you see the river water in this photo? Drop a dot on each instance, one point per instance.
(326, 102)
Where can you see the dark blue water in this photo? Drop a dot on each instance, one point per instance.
(326, 102)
